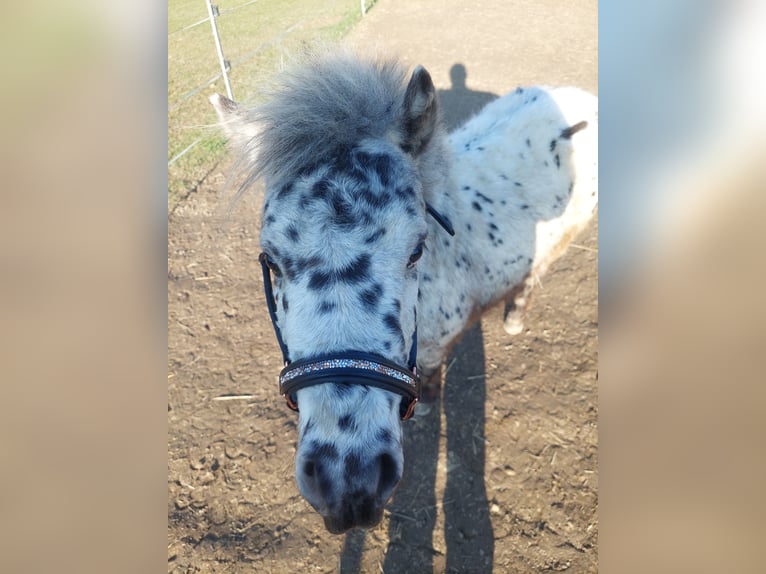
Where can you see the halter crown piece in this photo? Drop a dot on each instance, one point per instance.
(351, 367)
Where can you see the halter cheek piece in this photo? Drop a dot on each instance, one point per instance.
(352, 367)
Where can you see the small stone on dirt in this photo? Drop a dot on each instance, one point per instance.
(216, 513)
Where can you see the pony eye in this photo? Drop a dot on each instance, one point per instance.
(272, 265)
(416, 254)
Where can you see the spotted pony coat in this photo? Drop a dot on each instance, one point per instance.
(351, 152)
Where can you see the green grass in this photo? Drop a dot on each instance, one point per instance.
(255, 38)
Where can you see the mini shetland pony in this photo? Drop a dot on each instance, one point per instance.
(364, 277)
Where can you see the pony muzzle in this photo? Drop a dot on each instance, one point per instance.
(359, 499)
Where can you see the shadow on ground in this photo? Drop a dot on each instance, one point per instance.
(468, 531)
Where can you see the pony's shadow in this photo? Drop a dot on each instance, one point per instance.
(467, 528)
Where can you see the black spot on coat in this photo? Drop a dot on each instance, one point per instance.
(323, 451)
(373, 200)
(370, 297)
(347, 422)
(320, 189)
(484, 197)
(326, 307)
(342, 209)
(319, 280)
(392, 323)
(373, 237)
(357, 271)
(382, 166)
(384, 436)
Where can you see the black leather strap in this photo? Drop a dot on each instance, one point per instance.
(272, 305)
(353, 367)
(440, 219)
(350, 367)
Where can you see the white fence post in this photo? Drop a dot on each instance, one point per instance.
(213, 12)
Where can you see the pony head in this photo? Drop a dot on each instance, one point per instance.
(346, 150)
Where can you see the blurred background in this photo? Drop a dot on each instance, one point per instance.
(681, 267)
(86, 131)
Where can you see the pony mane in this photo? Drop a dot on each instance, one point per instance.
(319, 110)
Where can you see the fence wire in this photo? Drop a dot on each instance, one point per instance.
(230, 18)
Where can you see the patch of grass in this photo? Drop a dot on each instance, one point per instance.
(255, 38)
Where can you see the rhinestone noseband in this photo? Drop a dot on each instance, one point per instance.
(352, 367)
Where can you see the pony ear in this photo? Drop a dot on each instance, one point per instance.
(233, 120)
(420, 113)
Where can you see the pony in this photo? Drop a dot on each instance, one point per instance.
(384, 237)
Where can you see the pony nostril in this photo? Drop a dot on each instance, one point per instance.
(314, 483)
(389, 476)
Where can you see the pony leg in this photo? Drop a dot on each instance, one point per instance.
(431, 383)
(515, 306)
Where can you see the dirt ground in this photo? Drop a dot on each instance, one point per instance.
(518, 415)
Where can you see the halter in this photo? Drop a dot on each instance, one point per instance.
(351, 367)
